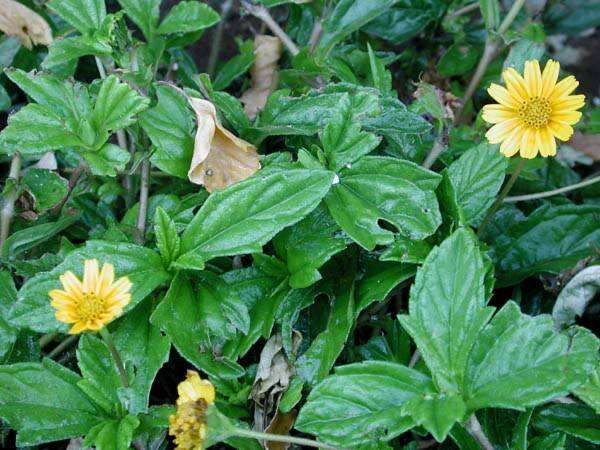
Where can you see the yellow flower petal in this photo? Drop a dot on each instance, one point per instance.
(502, 96)
(549, 77)
(533, 78)
(500, 131)
(497, 113)
(563, 88)
(515, 83)
(528, 144)
(570, 118)
(512, 143)
(78, 328)
(106, 279)
(90, 275)
(71, 283)
(569, 103)
(561, 130)
(547, 144)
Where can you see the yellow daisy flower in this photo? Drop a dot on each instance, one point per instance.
(188, 424)
(91, 304)
(532, 110)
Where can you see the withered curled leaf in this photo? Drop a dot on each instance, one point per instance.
(264, 73)
(220, 158)
(18, 20)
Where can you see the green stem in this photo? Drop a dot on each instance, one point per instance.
(503, 193)
(553, 192)
(8, 207)
(116, 356)
(510, 16)
(47, 338)
(280, 438)
(226, 7)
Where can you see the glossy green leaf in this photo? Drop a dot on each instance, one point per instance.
(520, 435)
(141, 265)
(45, 186)
(235, 67)
(490, 11)
(405, 250)
(167, 239)
(342, 139)
(552, 238)
(67, 49)
(589, 392)
(178, 315)
(108, 160)
(170, 126)
(379, 279)
(35, 397)
(362, 403)
(187, 17)
(350, 15)
(100, 376)
(476, 177)
(520, 361)
(83, 15)
(116, 105)
(574, 419)
(381, 188)
(309, 244)
(243, 217)
(8, 296)
(437, 413)
(554, 441)
(144, 347)
(113, 434)
(458, 59)
(144, 14)
(447, 308)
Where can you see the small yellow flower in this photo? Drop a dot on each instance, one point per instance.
(533, 110)
(91, 304)
(188, 424)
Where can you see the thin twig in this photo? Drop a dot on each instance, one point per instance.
(215, 48)
(46, 339)
(8, 208)
(474, 427)
(100, 66)
(143, 206)
(63, 346)
(281, 438)
(439, 146)
(553, 192)
(465, 10)
(316, 34)
(73, 180)
(414, 358)
(260, 12)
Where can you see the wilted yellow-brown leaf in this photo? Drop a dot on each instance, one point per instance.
(264, 73)
(220, 158)
(18, 20)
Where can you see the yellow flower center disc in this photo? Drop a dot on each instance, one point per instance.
(535, 112)
(90, 307)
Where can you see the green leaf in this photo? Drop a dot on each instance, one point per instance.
(350, 15)
(100, 377)
(308, 245)
(187, 17)
(490, 11)
(437, 413)
(141, 265)
(520, 361)
(27, 238)
(67, 49)
(519, 437)
(382, 78)
(589, 392)
(458, 59)
(476, 177)
(83, 15)
(342, 139)
(142, 345)
(362, 403)
(405, 250)
(554, 441)
(144, 14)
(108, 161)
(45, 186)
(245, 216)
(447, 308)
(396, 191)
(36, 397)
(405, 20)
(116, 105)
(521, 51)
(178, 315)
(9, 47)
(577, 420)
(8, 296)
(235, 67)
(551, 239)
(379, 279)
(5, 101)
(170, 126)
(167, 239)
(113, 434)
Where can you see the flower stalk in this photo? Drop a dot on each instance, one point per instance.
(106, 336)
(280, 438)
(553, 192)
(8, 209)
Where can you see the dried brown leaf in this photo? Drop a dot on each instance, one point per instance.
(264, 73)
(220, 158)
(587, 143)
(18, 20)
(281, 424)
